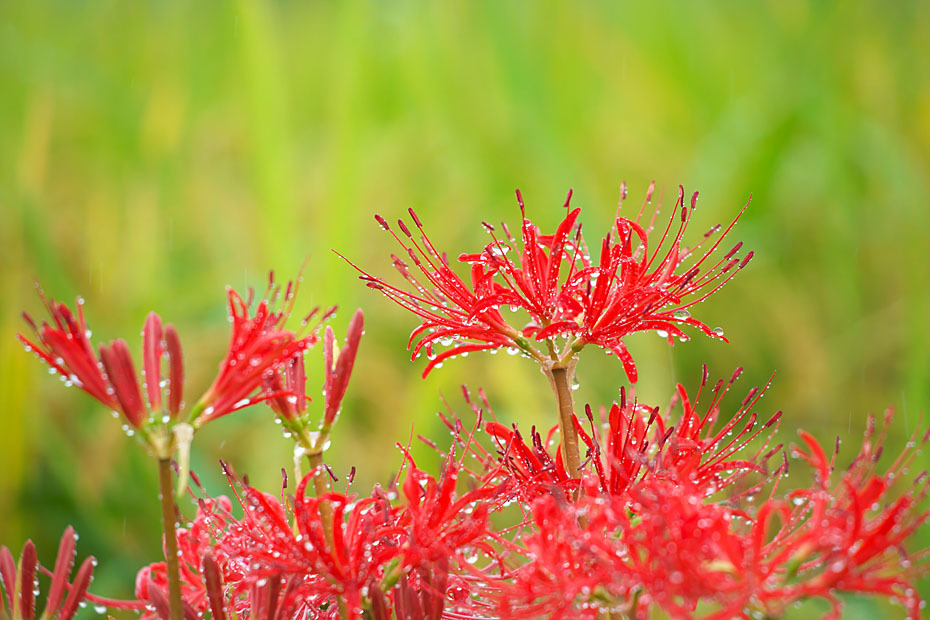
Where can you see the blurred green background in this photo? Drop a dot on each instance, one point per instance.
(153, 152)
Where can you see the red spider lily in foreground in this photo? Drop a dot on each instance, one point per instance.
(379, 557)
(634, 441)
(673, 536)
(634, 286)
(696, 528)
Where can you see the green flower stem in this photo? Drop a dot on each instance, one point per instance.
(166, 495)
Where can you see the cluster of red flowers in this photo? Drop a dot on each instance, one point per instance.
(676, 511)
(632, 287)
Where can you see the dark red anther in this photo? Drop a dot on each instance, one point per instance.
(735, 249)
(29, 320)
(730, 265)
(775, 418)
(653, 416)
(666, 436)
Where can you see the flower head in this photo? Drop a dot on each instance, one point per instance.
(111, 378)
(850, 531)
(571, 301)
(259, 346)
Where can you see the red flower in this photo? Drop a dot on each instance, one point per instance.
(663, 541)
(849, 536)
(364, 536)
(259, 347)
(209, 525)
(413, 559)
(65, 346)
(635, 286)
(633, 441)
(639, 441)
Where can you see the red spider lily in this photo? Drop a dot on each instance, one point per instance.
(659, 544)
(259, 346)
(634, 286)
(441, 525)
(639, 441)
(575, 567)
(685, 550)
(216, 574)
(365, 541)
(20, 582)
(662, 542)
(288, 395)
(111, 379)
(634, 441)
(533, 469)
(213, 518)
(402, 559)
(848, 536)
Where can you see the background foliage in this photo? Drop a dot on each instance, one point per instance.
(153, 152)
